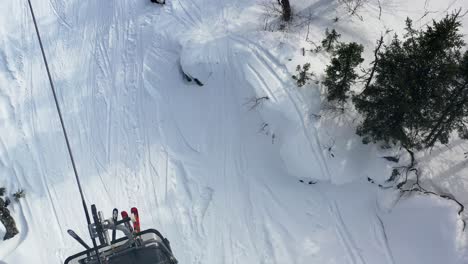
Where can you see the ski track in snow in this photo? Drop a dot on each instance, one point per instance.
(267, 60)
(381, 236)
(346, 238)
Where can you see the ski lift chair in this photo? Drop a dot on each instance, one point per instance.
(145, 247)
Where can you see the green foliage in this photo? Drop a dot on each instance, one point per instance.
(340, 74)
(420, 94)
(303, 74)
(330, 40)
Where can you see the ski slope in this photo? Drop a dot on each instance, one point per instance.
(215, 173)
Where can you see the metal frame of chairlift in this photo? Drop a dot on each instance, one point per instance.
(145, 247)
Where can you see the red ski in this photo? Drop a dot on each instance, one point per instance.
(135, 219)
(124, 215)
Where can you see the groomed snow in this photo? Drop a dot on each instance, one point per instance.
(215, 174)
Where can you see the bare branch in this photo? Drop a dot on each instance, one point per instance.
(256, 101)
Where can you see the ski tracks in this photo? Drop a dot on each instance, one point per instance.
(274, 66)
(56, 7)
(354, 253)
(381, 236)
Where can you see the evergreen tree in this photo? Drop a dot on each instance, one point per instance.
(420, 94)
(340, 74)
(331, 38)
(303, 74)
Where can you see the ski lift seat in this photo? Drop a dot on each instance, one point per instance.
(144, 255)
(150, 248)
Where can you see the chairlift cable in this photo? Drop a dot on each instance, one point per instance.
(77, 178)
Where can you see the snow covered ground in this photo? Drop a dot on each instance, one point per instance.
(219, 176)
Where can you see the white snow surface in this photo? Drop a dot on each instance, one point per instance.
(216, 175)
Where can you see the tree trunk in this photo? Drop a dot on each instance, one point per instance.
(374, 66)
(286, 9)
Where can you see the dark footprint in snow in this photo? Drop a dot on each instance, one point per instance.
(308, 182)
(197, 82)
(189, 78)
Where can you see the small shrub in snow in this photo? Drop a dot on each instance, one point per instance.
(19, 194)
(303, 75)
(2, 191)
(254, 102)
(353, 6)
(330, 40)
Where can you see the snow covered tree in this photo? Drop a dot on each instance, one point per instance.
(331, 37)
(420, 94)
(340, 74)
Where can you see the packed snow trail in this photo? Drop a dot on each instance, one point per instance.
(219, 179)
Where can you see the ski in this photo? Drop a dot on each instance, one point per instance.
(98, 224)
(77, 238)
(127, 224)
(115, 216)
(105, 234)
(135, 219)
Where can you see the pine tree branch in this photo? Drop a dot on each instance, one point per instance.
(374, 66)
